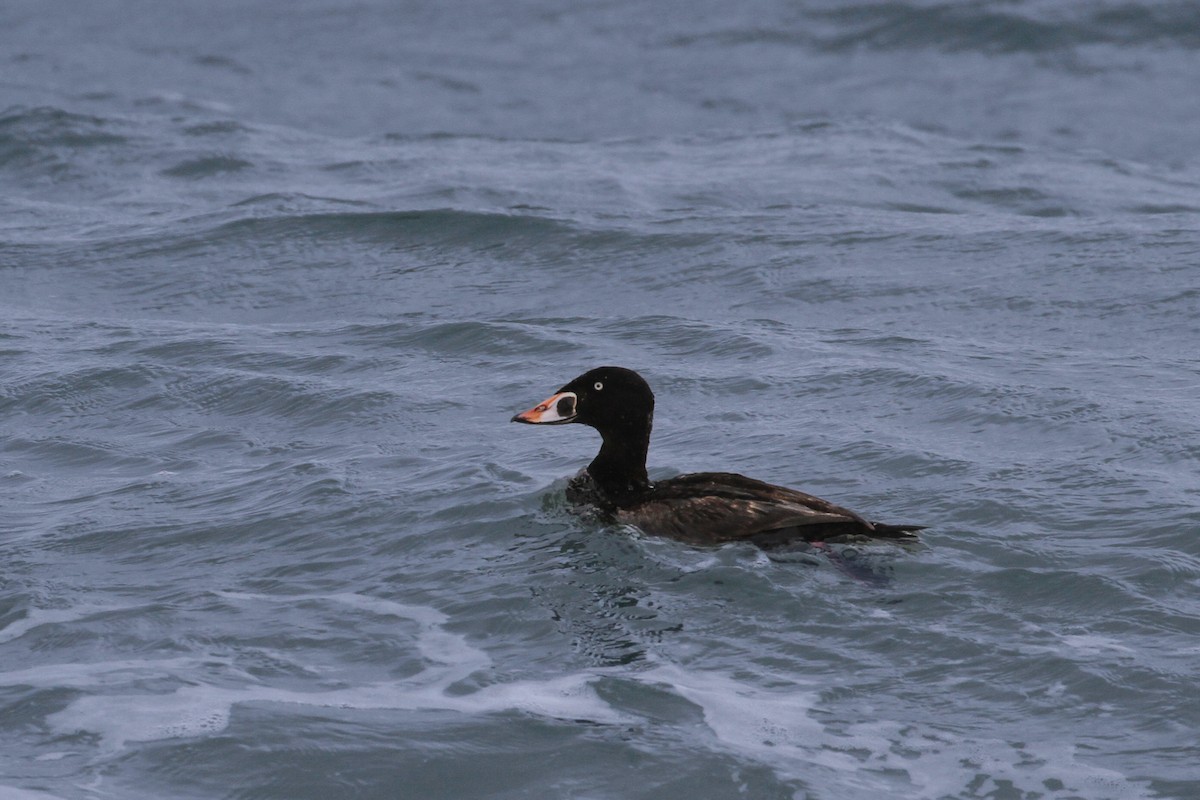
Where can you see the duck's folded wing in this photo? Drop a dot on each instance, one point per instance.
(720, 507)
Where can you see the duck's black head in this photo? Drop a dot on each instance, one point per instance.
(609, 399)
(619, 404)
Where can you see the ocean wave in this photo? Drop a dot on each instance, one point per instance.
(1001, 28)
(24, 130)
(992, 28)
(48, 144)
(420, 225)
(207, 166)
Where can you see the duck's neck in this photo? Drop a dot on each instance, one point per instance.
(619, 469)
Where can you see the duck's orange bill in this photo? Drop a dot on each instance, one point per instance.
(556, 408)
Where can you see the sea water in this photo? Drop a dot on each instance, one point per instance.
(275, 276)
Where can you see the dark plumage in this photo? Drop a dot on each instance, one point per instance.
(702, 507)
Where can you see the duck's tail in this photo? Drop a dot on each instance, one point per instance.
(884, 530)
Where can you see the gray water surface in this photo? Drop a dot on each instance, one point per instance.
(273, 279)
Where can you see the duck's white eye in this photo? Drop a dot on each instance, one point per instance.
(597, 386)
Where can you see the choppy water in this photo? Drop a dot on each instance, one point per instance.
(273, 278)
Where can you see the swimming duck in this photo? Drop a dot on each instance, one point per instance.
(699, 508)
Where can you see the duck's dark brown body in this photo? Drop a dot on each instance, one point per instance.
(700, 508)
(714, 507)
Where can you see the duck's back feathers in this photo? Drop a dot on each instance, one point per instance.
(712, 507)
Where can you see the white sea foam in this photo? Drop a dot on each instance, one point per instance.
(13, 793)
(48, 616)
(1075, 646)
(775, 726)
(769, 720)
(199, 710)
(772, 726)
(101, 673)
(1092, 645)
(941, 763)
